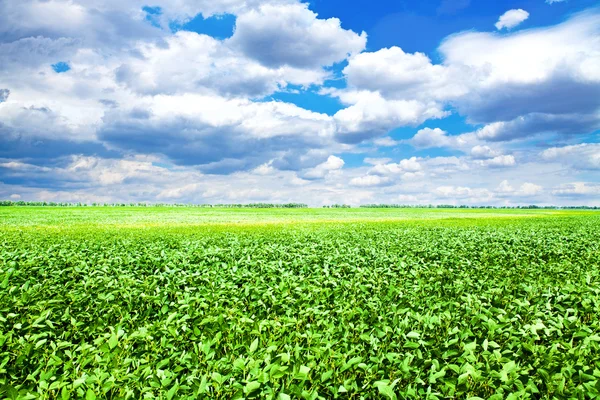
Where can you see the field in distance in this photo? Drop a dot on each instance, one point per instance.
(171, 303)
(69, 217)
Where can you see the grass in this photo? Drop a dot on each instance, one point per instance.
(307, 303)
(168, 216)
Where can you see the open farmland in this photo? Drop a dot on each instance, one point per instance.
(302, 303)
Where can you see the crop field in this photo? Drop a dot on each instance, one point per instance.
(107, 303)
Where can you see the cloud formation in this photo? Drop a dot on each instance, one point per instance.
(292, 35)
(150, 113)
(511, 19)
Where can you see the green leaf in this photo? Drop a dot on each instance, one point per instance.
(350, 363)
(172, 391)
(386, 390)
(113, 341)
(253, 346)
(251, 387)
(413, 335)
(90, 395)
(326, 375)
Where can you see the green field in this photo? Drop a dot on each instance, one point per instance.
(298, 303)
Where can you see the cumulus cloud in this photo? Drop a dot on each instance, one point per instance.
(578, 190)
(521, 83)
(292, 35)
(498, 161)
(109, 21)
(511, 18)
(406, 166)
(165, 68)
(21, 122)
(264, 169)
(369, 180)
(483, 152)
(18, 166)
(204, 130)
(428, 138)
(322, 170)
(463, 194)
(371, 115)
(187, 96)
(146, 113)
(527, 189)
(551, 70)
(399, 75)
(385, 142)
(584, 156)
(107, 172)
(178, 192)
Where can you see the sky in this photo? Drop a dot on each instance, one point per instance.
(470, 102)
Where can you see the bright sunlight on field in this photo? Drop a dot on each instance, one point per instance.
(308, 303)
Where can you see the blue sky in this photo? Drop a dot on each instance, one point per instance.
(326, 101)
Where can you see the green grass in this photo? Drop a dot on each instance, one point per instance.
(309, 303)
(170, 216)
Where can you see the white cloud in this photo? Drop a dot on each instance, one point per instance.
(428, 138)
(108, 172)
(189, 62)
(264, 169)
(463, 194)
(531, 56)
(585, 156)
(554, 1)
(24, 167)
(483, 152)
(109, 20)
(369, 180)
(399, 75)
(578, 189)
(404, 167)
(292, 35)
(527, 189)
(322, 170)
(520, 83)
(530, 189)
(72, 196)
(370, 115)
(178, 192)
(147, 114)
(498, 161)
(385, 142)
(540, 75)
(219, 134)
(511, 18)
(410, 164)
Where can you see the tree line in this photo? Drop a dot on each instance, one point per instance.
(21, 203)
(528, 207)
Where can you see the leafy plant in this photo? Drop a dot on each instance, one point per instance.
(360, 303)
